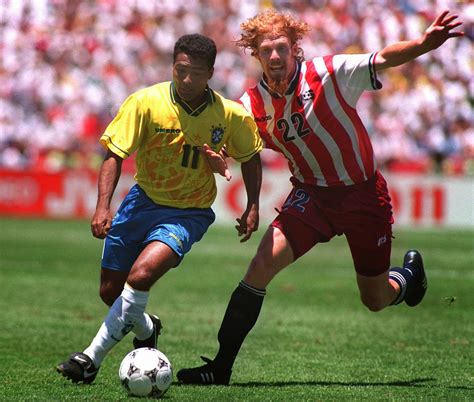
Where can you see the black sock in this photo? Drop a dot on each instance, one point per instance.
(402, 277)
(240, 317)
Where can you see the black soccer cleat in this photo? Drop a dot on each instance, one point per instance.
(416, 288)
(78, 368)
(208, 374)
(152, 340)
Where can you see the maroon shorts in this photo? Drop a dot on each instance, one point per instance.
(362, 212)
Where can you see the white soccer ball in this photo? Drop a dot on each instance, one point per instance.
(146, 372)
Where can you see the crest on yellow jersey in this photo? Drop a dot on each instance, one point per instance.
(217, 133)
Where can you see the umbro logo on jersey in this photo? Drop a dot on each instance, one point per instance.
(162, 130)
(262, 119)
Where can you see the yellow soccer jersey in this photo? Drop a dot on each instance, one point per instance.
(167, 134)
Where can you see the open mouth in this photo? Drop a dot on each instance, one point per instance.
(277, 71)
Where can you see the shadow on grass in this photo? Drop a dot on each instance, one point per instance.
(417, 382)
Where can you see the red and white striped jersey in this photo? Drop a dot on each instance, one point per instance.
(315, 125)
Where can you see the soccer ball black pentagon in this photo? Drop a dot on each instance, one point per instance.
(146, 372)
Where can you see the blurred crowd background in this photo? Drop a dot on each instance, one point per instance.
(67, 65)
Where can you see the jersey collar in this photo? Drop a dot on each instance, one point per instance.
(209, 100)
(291, 87)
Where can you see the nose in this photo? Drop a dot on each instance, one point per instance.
(187, 79)
(274, 55)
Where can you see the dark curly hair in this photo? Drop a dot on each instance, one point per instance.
(198, 47)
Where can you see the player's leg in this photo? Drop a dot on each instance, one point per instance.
(376, 289)
(407, 283)
(166, 245)
(111, 284)
(377, 292)
(368, 229)
(274, 253)
(138, 242)
(293, 232)
(169, 242)
(128, 310)
(143, 275)
(152, 263)
(288, 238)
(147, 329)
(80, 367)
(123, 246)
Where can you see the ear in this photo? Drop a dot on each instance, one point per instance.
(211, 72)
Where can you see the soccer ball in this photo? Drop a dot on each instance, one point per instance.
(146, 372)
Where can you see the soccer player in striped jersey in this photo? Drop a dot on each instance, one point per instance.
(307, 111)
(176, 128)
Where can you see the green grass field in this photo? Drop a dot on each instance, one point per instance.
(314, 339)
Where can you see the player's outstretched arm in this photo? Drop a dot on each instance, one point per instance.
(434, 36)
(216, 161)
(108, 178)
(252, 177)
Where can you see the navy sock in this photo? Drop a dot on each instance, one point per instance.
(240, 317)
(402, 277)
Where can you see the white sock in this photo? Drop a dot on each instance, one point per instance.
(143, 327)
(127, 312)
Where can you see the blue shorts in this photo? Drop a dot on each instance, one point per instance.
(139, 221)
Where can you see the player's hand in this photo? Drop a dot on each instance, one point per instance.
(248, 223)
(101, 222)
(441, 30)
(216, 161)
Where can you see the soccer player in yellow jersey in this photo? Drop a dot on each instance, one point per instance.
(175, 128)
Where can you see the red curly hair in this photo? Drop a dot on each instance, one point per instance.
(274, 23)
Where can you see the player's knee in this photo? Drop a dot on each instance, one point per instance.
(109, 294)
(143, 277)
(373, 303)
(262, 265)
(258, 263)
(141, 280)
(260, 272)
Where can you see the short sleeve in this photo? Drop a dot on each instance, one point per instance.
(355, 73)
(244, 141)
(125, 132)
